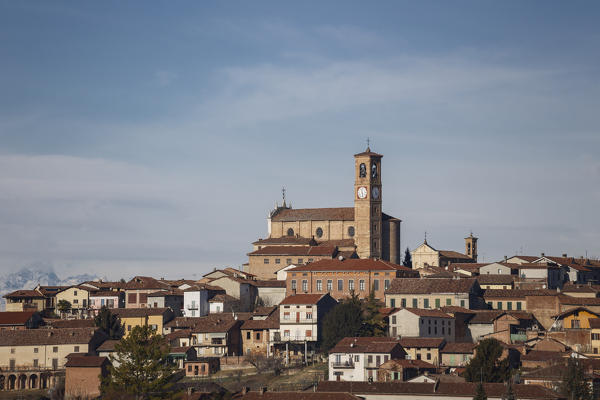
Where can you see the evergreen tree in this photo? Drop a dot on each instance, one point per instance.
(63, 306)
(407, 259)
(574, 385)
(109, 323)
(373, 323)
(480, 394)
(344, 320)
(143, 371)
(486, 366)
(510, 393)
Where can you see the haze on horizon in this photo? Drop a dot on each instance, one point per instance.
(152, 138)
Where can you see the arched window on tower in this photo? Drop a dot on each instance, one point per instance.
(290, 232)
(351, 231)
(319, 232)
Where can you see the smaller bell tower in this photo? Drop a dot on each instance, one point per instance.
(471, 246)
(367, 204)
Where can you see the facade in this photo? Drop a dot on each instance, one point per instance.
(138, 288)
(19, 320)
(217, 336)
(222, 303)
(499, 269)
(268, 260)
(425, 255)
(574, 318)
(301, 316)
(374, 234)
(195, 301)
(401, 370)
(496, 281)
(25, 300)
(154, 317)
(83, 376)
(358, 359)
(457, 354)
(201, 367)
(270, 292)
(256, 334)
(421, 323)
(172, 298)
(78, 297)
(434, 293)
(341, 276)
(239, 287)
(427, 349)
(108, 299)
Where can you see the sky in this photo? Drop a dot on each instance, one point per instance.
(153, 138)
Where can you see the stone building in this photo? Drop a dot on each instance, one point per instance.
(425, 255)
(364, 229)
(83, 376)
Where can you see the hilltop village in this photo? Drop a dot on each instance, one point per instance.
(329, 301)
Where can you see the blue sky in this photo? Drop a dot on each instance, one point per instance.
(153, 137)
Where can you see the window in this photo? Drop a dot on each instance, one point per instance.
(310, 260)
(286, 315)
(12, 363)
(266, 260)
(304, 285)
(370, 359)
(403, 303)
(319, 232)
(75, 301)
(393, 319)
(415, 303)
(499, 305)
(509, 305)
(143, 297)
(377, 361)
(12, 350)
(340, 285)
(293, 284)
(595, 336)
(55, 363)
(248, 335)
(128, 328)
(351, 231)
(437, 303)
(288, 261)
(308, 333)
(386, 284)
(154, 327)
(55, 349)
(76, 349)
(356, 358)
(376, 284)
(308, 315)
(429, 356)
(36, 350)
(257, 335)
(575, 324)
(425, 303)
(74, 292)
(300, 261)
(290, 232)
(448, 302)
(518, 305)
(449, 331)
(35, 362)
(286, 333)
(319, 285)
(462, 303)
(278, 261)
(490, 304)
(392, 303)
(351, 284)
(361, 285)
(429, 329)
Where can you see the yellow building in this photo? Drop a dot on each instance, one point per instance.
(595, 335)
(77, 296)
(575, 318)
(25, 300)
(425, 255)
(153, 317)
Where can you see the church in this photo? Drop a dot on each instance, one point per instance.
(304, 235)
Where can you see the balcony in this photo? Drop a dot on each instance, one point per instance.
(217, 341)
(342, 365)
(299, 321)
(277, 338)
(191, 306)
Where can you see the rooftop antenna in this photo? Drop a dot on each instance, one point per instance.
(425, 236)
(283, 195)
(368, 144)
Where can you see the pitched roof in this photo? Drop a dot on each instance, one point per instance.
(138, 312)
(579, 301)
(296, 396)
(216, 323)
(540, 355)
(365, 345)
(517, 293)
(526, 258)
(51, 290)
(572, 310)
(31, 337)
(456, 309)
(424, 286)
(495, 279)
(15, 317)
(421, 342)
(454, 254)
(303, 299)
(291, 240)
(421, 312)
(86, 361)
(351, 264)
(574, 288)
(458, 347)
(485, 316)
(594, 323)
(71, 323)
(404, 363)
(108, 345)
(221, 298)
(168, 292)
(295, 251)
(314, 214)
(269, 283)
(24, 293)
(145, 282)
(271, 322)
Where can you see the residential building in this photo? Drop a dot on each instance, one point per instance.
(223, 303)
(201, 366)
(195, 301)
(434, 293)
(138, 288)
(401, 370)
(270, 292)
(18, 320)
(457, 354)
(269, 259)
(84, 375)
(581, 290)
(172, 298)
(238, 286)
(217, 335)
(574, 318)
(106, 349)
(481, 324)
(25, 300)
(341, 276)
(257, 332)
(499, 268)
(553, 275)
(427, 349)
(496, 281)
(422, 323)
(106, 298)
(595, 335)
(426, 255)
(78, 297)
(358, 359)
(153, 317)
(506, 299)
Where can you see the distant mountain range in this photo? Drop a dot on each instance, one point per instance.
(29, 278)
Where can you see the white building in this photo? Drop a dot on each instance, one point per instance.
(418, 322)
(195, 302)
(357, 359)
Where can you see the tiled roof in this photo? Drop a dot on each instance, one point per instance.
(15, 317)
(495, 279)
(552, 372)
(169, 292)
(421, 342)
(71, 323)
(295, 396)
(365, 345)
(456, 309)
(351, 264)
(269, 283)
(574, 288)
(292, 240)
(271, 322)
(105, 293)
(457, 347)
(86, 361)
(31, 337)
(421, 312)
(472, 267)
(314, 214)
(442, 389)
(485, 316)
(108, 345)
(454, 255)
(210, 324)
(24, 293)
(107, 285)
(51, 290)
(572, 310)
(539, 355)
(204, 286)
(426, 286)
(137, 312)
(302, 299)
(594, 323)
(295, 251)
(516, 293)
(222, 297)
(579, 301)
(527, 258)
(181, 333)
(145, 282)
(404, 363)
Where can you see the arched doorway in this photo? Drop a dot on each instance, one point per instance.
(33, 381)
(22, 382)
(12, 382)
(43, 381)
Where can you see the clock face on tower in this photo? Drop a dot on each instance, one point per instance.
(375, 193)
(361, 192)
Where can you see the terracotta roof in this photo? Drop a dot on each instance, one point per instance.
(145, 282)
(137, 312)
(365, 345)
(594, 323)
(51, 290)
(297, 240)
(15, 317)
(456, 309)
(314, 214)
(495, 279)
(552, 372)
(454, 255)
(107, 285)
(108, 345)
(181, 333)
(421, 312)
(424, 286)
(296, 396)
(179, 350)
(457, 347)
(105, 293)
(295, 251)
(579, 301)
(222, 297)
(471, 267)
(572, 310)
(204, 286)
(387, 311)
(210, 324)
(421, 342)
(539, 355)
(536, 266)
(404, 363)
(574, 288)
(271, 322)
(31, 337)
(338, 243)
(72, 323)
(485, 316)
(527, 258)
(86, 361)
(269, 283)
(517, 293)
(448, 389)
(169, 292)
(302, 299)
(24, 293)
(351, 264)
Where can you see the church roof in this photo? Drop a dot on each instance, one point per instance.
(295, 251)
(368, 152)
(454, 255)
(314, 214)
(351, 264)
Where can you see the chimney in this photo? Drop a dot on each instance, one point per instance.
(564, 255)
(543, 255)
(505, 259)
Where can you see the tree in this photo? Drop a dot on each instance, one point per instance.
(373, 323)
(109, 323)
(574, 385)
(344, 320)
(263, 363)
(144, 371)
(480, 394)
(63, 306)
(407, 259)
(510, 393)
(486, 366)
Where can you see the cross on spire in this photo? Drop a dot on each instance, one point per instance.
(368, 144)
(283, 195)
(425, 236)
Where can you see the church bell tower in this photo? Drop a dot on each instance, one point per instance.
(471, 246)
(367, 204)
